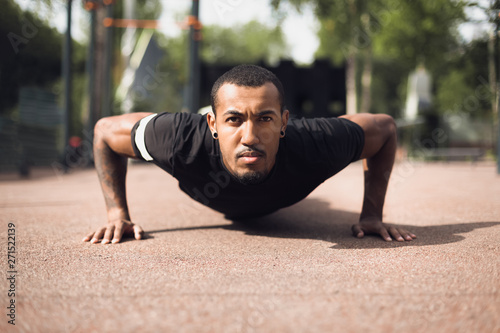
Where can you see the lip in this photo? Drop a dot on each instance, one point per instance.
(251, 157)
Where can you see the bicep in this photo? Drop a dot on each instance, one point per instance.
(115, 131)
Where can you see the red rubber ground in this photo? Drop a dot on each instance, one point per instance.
(298, 270)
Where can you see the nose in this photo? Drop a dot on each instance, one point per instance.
(249, 136)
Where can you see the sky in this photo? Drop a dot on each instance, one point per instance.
(472, 30)
(299, 28)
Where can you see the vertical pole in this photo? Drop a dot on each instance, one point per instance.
(108, 52)
(496, 114)
(91, 76)
(498, 145)
(67, 84)
(191, 100)
(128, 41)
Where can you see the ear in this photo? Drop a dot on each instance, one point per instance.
(211, 121)
(284, 119)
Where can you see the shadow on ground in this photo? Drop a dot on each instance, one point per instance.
(314, 219)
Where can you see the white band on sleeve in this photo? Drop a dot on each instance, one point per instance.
(139, 137)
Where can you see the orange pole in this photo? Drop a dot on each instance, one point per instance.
(130, 23)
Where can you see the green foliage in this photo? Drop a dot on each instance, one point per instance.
(402, 34)
(330, 42)
(415, 32)
(346, 25)
(397, 29)
(452, 87)
(464, 88)
(248, 43)
(148, 9)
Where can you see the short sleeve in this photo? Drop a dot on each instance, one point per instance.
(170, 139)
(344, 140)
(330, 144)
(153, 139)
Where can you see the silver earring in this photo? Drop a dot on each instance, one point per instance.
(215, 135)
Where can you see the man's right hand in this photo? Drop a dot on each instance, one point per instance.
(112, 147)
(113, 232)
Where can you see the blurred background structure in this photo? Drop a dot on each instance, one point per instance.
(434, 66)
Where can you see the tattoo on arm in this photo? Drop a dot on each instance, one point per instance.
(111, 169)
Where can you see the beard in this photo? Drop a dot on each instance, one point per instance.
(251, 178)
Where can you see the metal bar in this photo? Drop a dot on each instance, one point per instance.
(496, 116)
(91, 77)
(66, 69)
(191, 100)
(130, 23)
(108, 52)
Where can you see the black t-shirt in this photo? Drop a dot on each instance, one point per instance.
(312, 151)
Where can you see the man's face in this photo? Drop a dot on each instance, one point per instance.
(248, 125)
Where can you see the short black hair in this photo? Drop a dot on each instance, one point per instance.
(248, 76)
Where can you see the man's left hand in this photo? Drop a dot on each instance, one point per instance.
(371, 226)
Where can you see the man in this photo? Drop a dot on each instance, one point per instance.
(245, 158)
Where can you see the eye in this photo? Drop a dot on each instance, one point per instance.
(233, 120)
(266, 119)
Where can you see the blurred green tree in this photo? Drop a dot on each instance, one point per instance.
(464, 87)
(420, 32)
(346, 33)
(416, 33)
(369, 36)
(243, 44)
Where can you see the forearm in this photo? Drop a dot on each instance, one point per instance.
(377, 170)
(111, 169)
(379, 154)
(112, 148)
